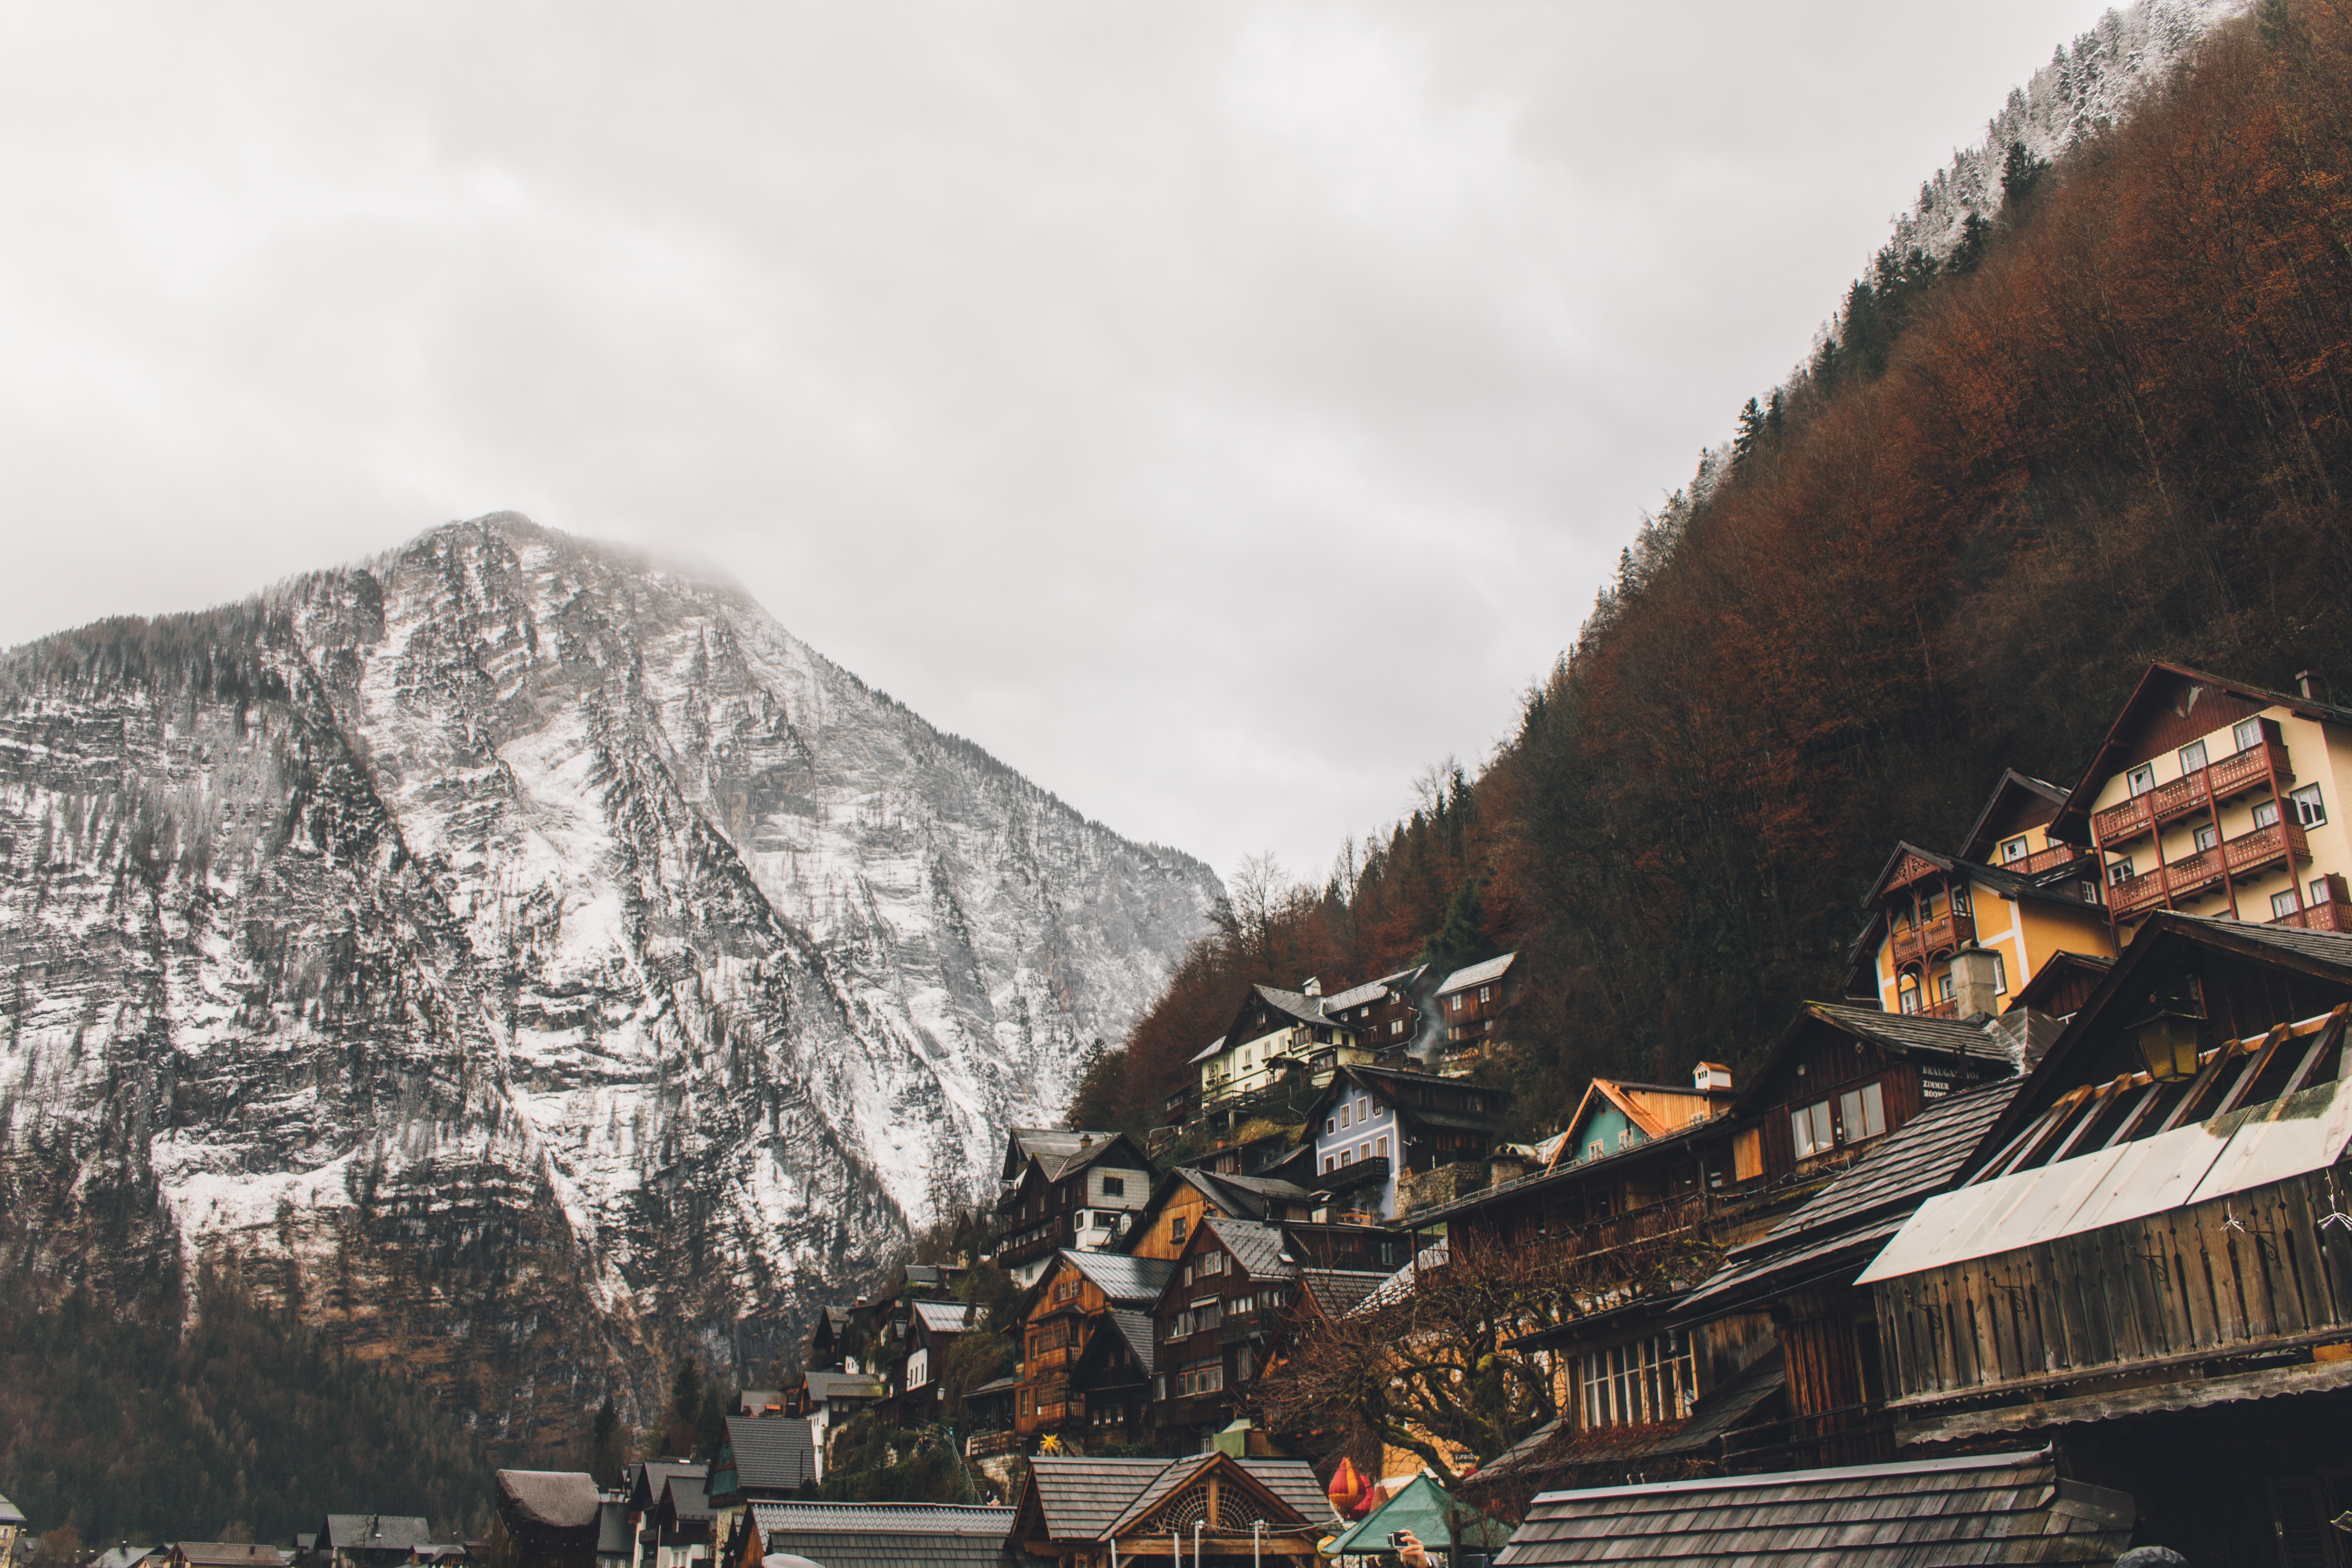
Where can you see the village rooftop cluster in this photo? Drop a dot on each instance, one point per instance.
(2038, 1237)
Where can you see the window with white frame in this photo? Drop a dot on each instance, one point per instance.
(2283, 904)
(2192, 757)
(1650, 1380)
(2207, 836)
(1863, 1112)
(1380, 1147)
(1597, 1149)
(2141, 779)
(2120, 870)
(2013, 849)
(2266, 813)
(1810, 1129)
(1485, 993)
(2246, 735)
(2309, 809)
(918, 1367)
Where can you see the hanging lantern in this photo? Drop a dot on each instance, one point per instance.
(2168, 1042)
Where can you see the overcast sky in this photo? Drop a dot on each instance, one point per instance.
(1218, 412)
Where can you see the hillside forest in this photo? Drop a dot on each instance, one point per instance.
(2113, 424)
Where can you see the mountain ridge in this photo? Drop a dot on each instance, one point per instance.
(502, 918)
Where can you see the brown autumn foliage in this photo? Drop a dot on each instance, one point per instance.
(2124, 433)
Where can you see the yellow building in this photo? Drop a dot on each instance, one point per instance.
(2015, 894)
(1274, 1030)
(2220, 799)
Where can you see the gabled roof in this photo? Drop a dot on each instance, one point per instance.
(230, 1555)
(1618, 1093)
(1135, 1330)
(1258, 1248)
(389, 1532)
(1977, 845)
(887, 1534)
(1395, 1084)
(555, 1499)
(647, 1477)
(683, 1498)
(1335, 1292)
(820, 1385)
(1120, 1277)
(1476, 975)
(1915, 1513)
(2166, 934)
(946, 1317)
(1851, 1218)
(2155, 682)
(1423, 1507)
(1025, 1143)
(1374, 990)
(1080, 1497)
(10, 1514)
(1205, 1052)
(771, 1451)
(1905, 1033)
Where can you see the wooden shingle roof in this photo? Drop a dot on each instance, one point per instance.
(1930, 1513)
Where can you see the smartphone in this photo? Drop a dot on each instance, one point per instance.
(1396, 1538)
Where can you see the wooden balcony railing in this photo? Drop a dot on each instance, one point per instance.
(2176, 798)
(2248, 855)
(1949, 1008)
(2319, 917)
(1916, 944)
(2042, 860)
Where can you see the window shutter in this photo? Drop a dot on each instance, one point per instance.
(2299, 1516)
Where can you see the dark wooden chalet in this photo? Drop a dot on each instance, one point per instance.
(1112, 1381)
(1084, 1196)
(1061, 1315)
(1473, 1004)
(2150, 1259)
(1210, 1507)
(1386, 1013)
(1370, 1125)
(1212, 1321)
(764, 1458)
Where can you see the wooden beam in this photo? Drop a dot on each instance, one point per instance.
(2272, 1043)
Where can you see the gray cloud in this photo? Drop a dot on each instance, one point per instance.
(1217, 411)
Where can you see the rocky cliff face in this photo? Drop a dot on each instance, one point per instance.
(527, 961)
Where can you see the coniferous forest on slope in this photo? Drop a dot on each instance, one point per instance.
(244, 1426)
(2115, 425)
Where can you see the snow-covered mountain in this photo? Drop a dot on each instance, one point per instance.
(2083, 89)
(526, 960)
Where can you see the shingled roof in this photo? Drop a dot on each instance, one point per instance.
(1082, 1497)
(1858, 1211)
(399, 1531)
(1928, 1513)
(1258, 1246)
(1122, 1277)
(771, 1452)
(1338, 1291)
(887, 1534)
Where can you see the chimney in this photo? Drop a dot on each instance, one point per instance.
(2307, 682)
(1311, 986)
(1974, 994)
(1085, 1139)
(1711, 1078)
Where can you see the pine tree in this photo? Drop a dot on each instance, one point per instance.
(608, 1453)
(1751, 430)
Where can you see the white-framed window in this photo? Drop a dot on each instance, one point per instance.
(2266, 813)
(1624, 1138)
(1944, 987)
(1810, 1129)
(2120, 870)
(1863, 1112)
(1485, 993)
(1396, 1025)
(2192, 757)
(1364, 1151)
(2246, 735)
(1999, 975)
(2141, 779)
(1597, 1150)
(1910, 998)
(1343, 1116)
(1380, 1147)
(918, 1367)
(2207, 836)
(1209, 1263)
(2013, 849)
(1960, 901)
(2284, 905)
(1331, 1124)
(1632, 1385)
(1363, 1109)
(2321, 892)
(2309, 809)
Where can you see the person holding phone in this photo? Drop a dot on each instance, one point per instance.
(1409, 1548)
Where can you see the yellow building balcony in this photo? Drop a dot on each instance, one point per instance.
(1945, 933)
(2231, 776)
(2193, 875)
